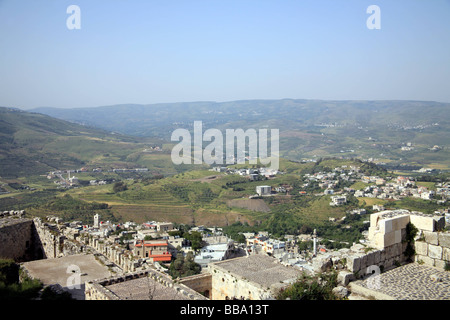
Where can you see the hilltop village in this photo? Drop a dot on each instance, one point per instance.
(203, 262)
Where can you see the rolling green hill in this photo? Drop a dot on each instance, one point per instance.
(32, 144)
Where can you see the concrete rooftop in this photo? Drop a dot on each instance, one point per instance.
(58, 271)
(261, 269)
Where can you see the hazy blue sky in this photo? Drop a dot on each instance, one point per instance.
(221, 50)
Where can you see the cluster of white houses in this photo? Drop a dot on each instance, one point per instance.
(400, 188)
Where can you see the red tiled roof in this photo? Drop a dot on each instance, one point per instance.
(161, 257)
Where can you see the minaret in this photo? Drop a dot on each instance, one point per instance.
(315, 243)
(96, 220)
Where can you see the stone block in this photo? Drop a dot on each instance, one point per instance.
(427, 260)
(387, 239)
(403, 258)
(340, 291)
(398, 236)
(344, 277)
(388, 253)
(439, 264)
(372, 232)
(421, 248)
(335, 260)
(440, 223)
(404, 245)
(391, 251)
(385, 225)
(376, 257)
(321, 264)
(423, 223)
(374, 217)
(388, 263)
(419, 258)
(363, 262)
(400, 222)
(398, 249)
(446, 254)
(353, 263)
(393, 224)
(444, 239)
(434, 252)
(403, 231)
(382, 255)
(431, 237)
(370, 258)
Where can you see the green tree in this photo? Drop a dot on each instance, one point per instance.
(11, 288)
(184, 266)
(195, 238)
(317, 287)
(119, 187)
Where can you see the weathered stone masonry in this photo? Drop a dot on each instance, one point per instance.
(433, 249)
(32, 239)
(98, 290)
(19, 240)
(387, 238)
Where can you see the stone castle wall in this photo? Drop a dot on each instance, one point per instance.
(17, 239)
(50, 239)
(387, 238)
(227, 286)
(25, 239)
(54, 242)
(387, 243)
(119, 256)
(97, 290)
(433, 249)
(199, 283)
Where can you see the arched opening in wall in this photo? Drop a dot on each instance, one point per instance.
(207, 294)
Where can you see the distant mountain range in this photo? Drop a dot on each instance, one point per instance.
(393, 132)
(287, 114)
(308, 128)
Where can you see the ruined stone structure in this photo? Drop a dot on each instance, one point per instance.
(255, 277)
(116, 255)
(53, 241)
(143, 285)
(386, 245)
(433, 249)
(388, 230)
(201, 283)
(25, 239)
(19, 240)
